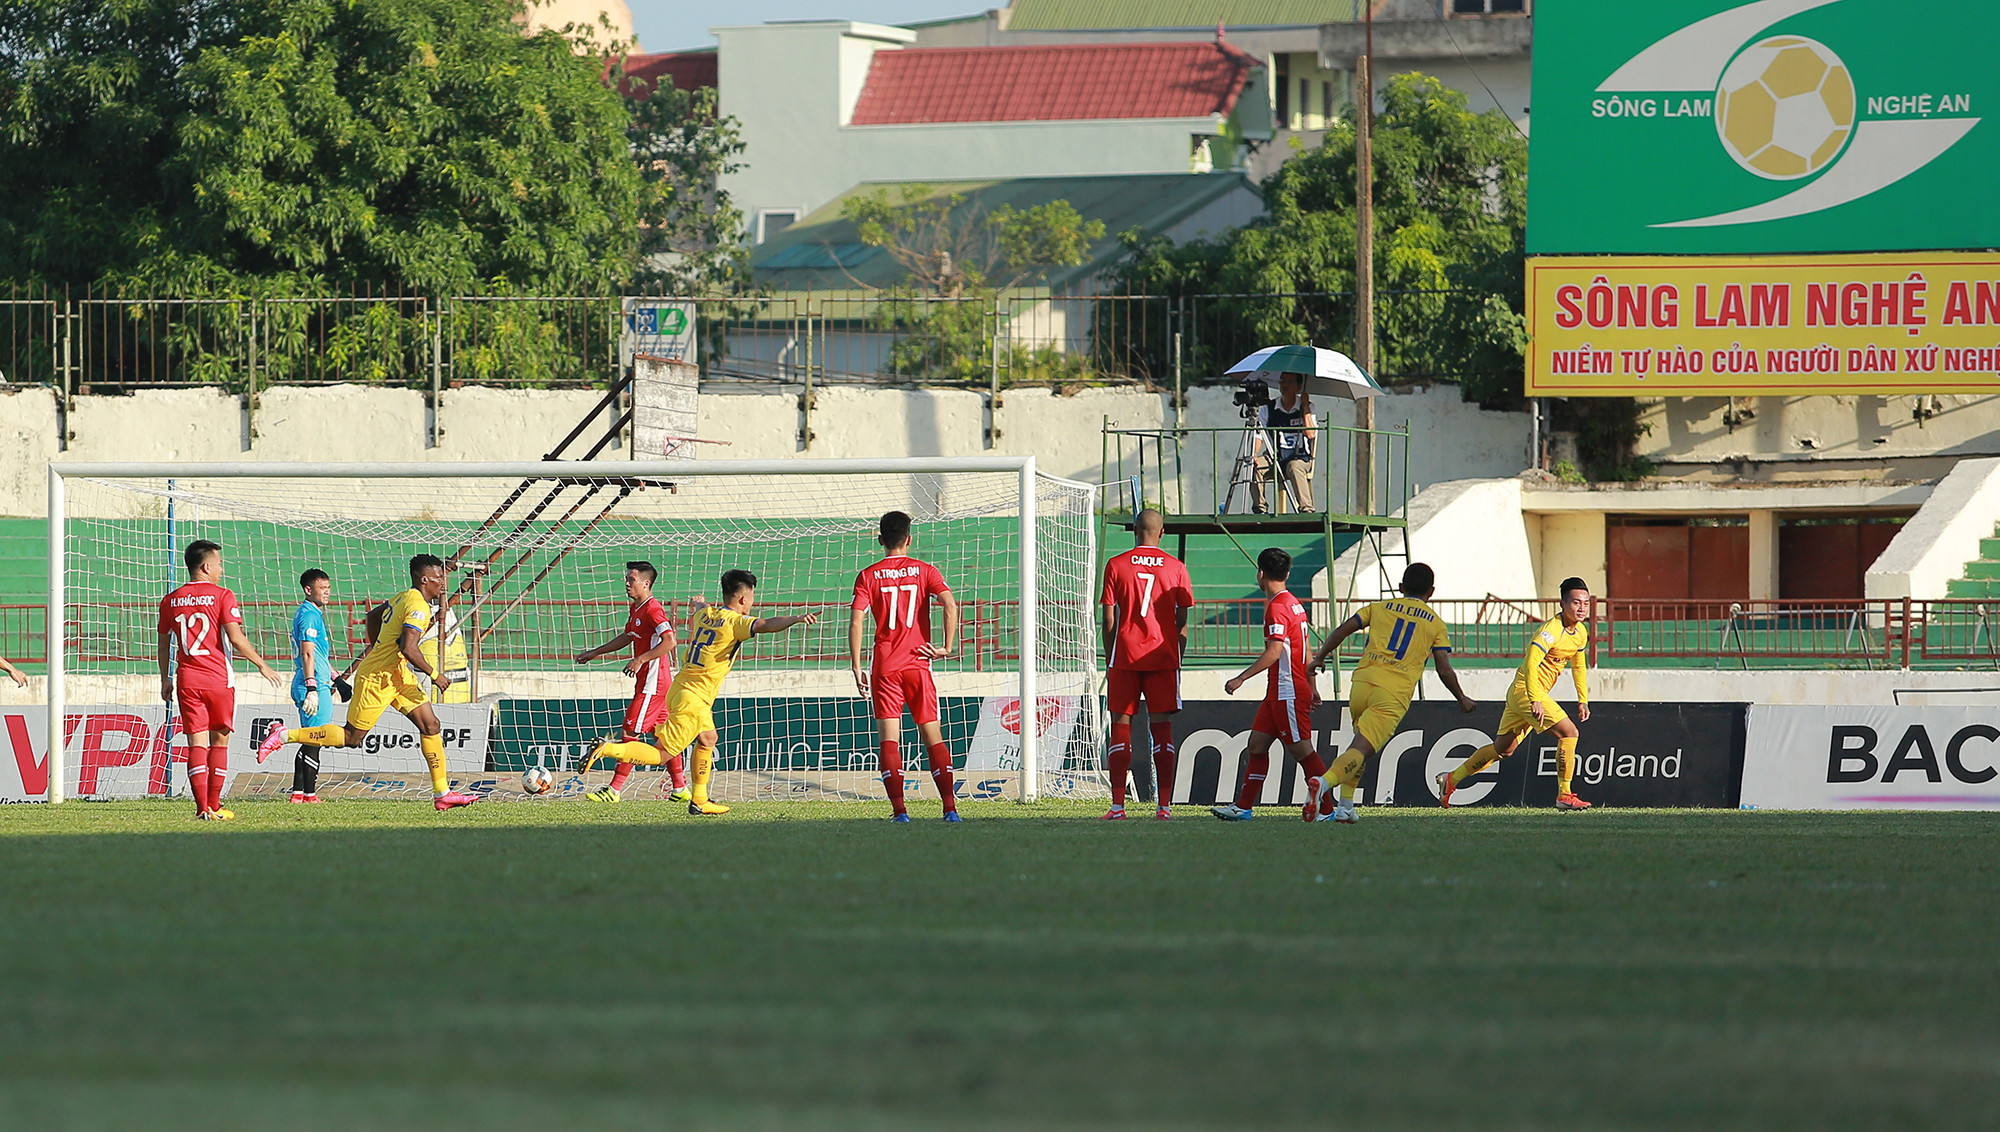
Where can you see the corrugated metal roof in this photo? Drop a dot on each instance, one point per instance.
(1088, 15)
(1063, 82)
(823, 251)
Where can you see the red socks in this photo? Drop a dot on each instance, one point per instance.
(1255, 768)
(621, 776)
(197, 758)
(941, 774)
(218, 771)
(677, 771)
(892, 774)
(1120, 757)
(1163, 760)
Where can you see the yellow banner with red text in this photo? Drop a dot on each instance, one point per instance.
(1747, 326)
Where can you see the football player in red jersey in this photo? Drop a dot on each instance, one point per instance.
(195, 676)
(898, 592)
(1289, 698)
(651, 635)
(1146, 600)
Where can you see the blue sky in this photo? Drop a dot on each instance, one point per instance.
(664, 25)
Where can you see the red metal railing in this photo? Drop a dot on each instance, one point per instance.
(1892, 633)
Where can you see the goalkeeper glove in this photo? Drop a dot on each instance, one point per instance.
(343, 689)
(310, 705)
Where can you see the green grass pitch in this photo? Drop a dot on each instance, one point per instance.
(378, 965)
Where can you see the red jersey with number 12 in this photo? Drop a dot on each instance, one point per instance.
(195, 614)
(1150, 588)
(898, 591)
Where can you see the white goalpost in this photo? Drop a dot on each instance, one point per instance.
(536, 555)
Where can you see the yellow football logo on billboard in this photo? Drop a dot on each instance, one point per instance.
(1785, 107)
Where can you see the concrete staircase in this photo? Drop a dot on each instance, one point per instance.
(1982, 575)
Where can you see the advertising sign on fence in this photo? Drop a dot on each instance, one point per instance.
(1720, 126)
(1755, 326)
(1652, 754)
(127, 751)
(1873, 758)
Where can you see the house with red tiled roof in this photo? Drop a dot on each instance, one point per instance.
(826, 105)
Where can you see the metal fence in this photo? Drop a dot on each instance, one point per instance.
(1724, 635)
(105, 341)
(1885, 633)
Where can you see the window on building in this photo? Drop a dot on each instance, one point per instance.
(1326, 102)
(1488, 7)
(1283, 88)
(772, 221)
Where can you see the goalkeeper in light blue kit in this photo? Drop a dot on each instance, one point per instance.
(313, 681)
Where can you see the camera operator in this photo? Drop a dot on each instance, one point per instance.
(1289, 424)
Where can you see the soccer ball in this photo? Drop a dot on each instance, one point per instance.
(537, 779)
(1785, 107)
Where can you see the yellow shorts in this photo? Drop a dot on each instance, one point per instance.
(1519, 718)
(690, 711)
(1376, 712)
(376, 692)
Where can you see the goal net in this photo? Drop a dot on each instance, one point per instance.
(537, 556)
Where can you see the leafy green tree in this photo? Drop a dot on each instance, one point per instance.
(690, 231)
(958, 259)
(419, 145)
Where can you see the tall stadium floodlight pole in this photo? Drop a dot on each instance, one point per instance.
(1364, 270)
(572, 471)
(1031, 715)
(54, 645)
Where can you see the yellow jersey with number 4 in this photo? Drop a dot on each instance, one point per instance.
(410, 610)
(718, 633)
(1401, 634)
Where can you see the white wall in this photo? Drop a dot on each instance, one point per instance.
(1937, 542)
(794, 87)
(1808, 430)
(1470, 532)
(357, 423)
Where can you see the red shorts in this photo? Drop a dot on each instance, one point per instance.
(912, 686)
(206, 709)
(1161, 689)
(646, 711)
(1290, 720)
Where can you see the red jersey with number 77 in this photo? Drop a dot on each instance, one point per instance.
(898, 591)
(195, 614)
(1151, 589)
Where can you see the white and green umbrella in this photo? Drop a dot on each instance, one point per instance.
(1327, 373)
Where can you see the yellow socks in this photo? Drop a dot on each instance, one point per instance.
(1479, 760)
(433, 748)
(325, 735)
(632, 752)
(1565, 764)
(1346, 771)
(704, 767)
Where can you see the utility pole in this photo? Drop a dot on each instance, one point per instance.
(1364, 267)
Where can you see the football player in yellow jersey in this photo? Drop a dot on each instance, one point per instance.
(383, 679)
(716, 633)
(1402, 633)
(1530, 707)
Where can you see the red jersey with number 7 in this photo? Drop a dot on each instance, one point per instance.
(898, 591)
(195, 614)
(1151, 589)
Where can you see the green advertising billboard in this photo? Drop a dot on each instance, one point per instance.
(1714, 126)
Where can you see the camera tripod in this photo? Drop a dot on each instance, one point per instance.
(1244, 473)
